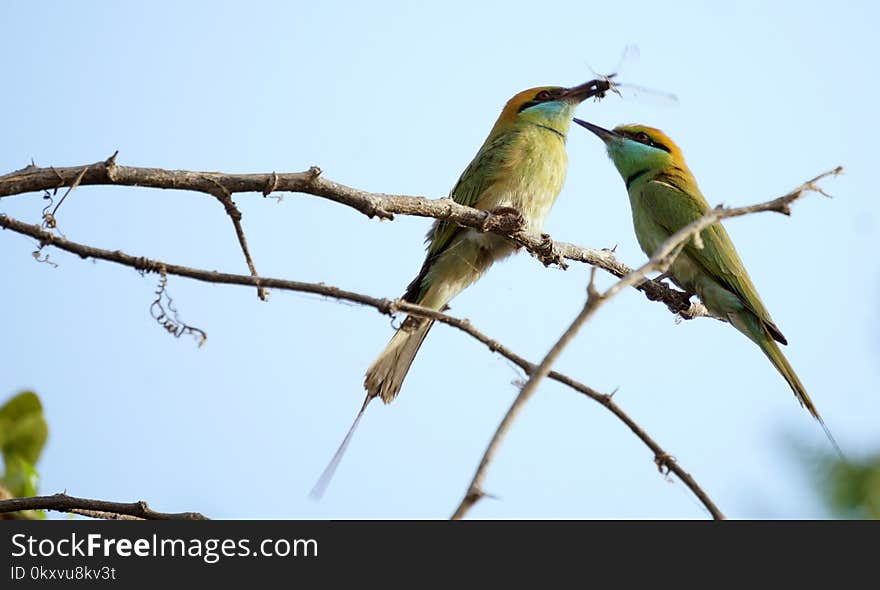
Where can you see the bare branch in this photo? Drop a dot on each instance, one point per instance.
(386, 306)
(659, 262)
(665, 255)
(475, 489)
(93, 508)
(225, 198)
(384, 206)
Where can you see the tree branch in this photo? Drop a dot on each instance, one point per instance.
(384, 206)
(93, 508)
(665, 255)
(475, 490)
(661, 261)
(385, 306)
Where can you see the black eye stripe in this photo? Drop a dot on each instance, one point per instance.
(531, 103)
(543, 96)
(650, 142)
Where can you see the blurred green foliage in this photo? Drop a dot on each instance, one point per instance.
(852, 489)
(23, 432)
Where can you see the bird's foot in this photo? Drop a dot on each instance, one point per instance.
(504, 219)
(412, 323)
(548, 254)
(662, 461)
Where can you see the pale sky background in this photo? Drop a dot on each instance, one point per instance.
(397, 97)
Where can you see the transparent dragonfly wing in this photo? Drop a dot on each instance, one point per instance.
(643, 94)
(629, 56)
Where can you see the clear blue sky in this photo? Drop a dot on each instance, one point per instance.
(397, 97)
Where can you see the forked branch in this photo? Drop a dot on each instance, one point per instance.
(659, 262)
(385, 306)
(384, 206)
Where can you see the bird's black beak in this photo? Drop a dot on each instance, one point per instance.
(586, 90)
(602, 133)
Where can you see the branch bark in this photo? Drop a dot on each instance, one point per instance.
(94, 508)
(384, 206)
(385, 306)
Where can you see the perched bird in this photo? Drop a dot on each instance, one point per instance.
(664, 197)
(519, 169)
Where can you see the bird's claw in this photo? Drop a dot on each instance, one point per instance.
(662, 461)
(662, 277)
(547, 253)
(504, 219)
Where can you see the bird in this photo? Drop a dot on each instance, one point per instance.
(519, 170)
(664, 198)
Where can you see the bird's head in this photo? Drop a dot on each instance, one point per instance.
(549, 106)
(637, 148)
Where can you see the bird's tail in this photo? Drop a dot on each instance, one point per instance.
(384, 378)
(386, 374)
(755, 329)
(774, 353)
(321, 485)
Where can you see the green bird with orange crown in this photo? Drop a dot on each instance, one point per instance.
(664, 197)
(520, 168)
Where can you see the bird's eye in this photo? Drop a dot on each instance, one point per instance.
(643, 138)
(543, 95)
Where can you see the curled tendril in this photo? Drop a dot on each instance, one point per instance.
(163, 311)
(49, 221)
(44, 258)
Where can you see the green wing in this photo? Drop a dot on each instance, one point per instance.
(672, 208)
(483, 171)
(480, 174)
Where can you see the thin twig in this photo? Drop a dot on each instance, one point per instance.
(94, 508)
(50, 219)
(384, 206)
(225, 198)
(386, 306)
(475, 489)
(665, 255)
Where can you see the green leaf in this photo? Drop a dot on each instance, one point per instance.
(21, 478)
(21, 514)
(23, 428)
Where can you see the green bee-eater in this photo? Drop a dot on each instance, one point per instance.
(665, 197)
(520, 167)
